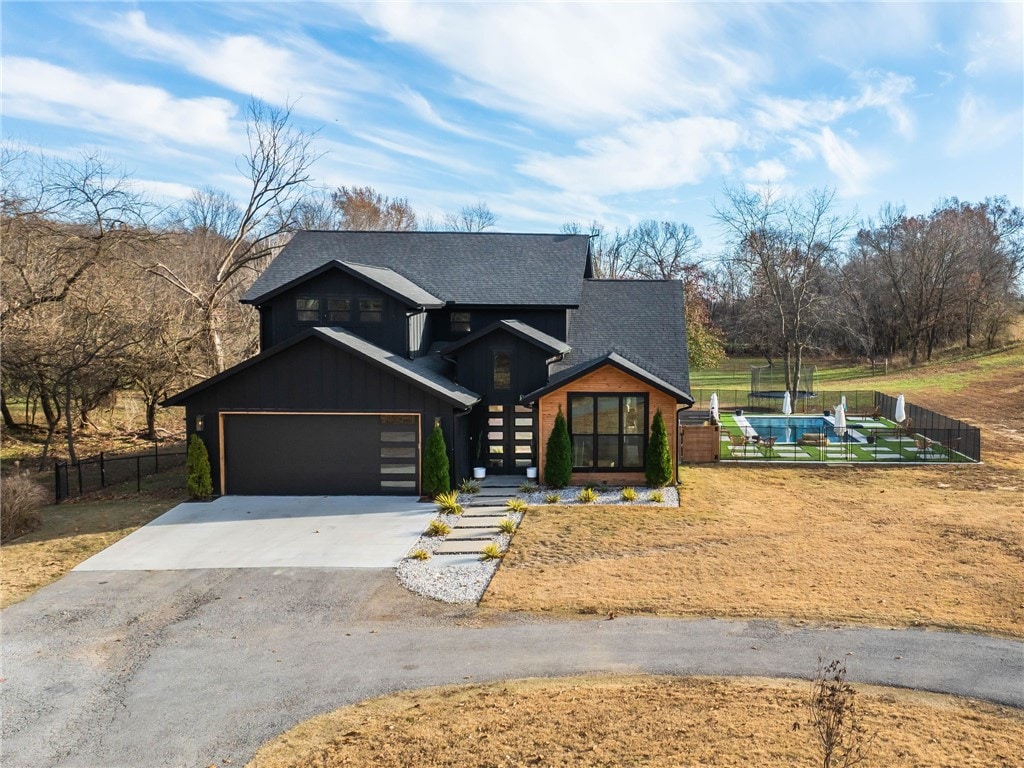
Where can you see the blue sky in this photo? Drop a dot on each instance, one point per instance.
(548, 112)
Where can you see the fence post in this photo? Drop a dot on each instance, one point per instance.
(103, 472)
(79, 465)
(138, 474)
(156, 457)
(56, 482)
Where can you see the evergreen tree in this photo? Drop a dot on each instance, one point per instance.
(436, 477)
(197, 467)
(558, 461)
(659, 457)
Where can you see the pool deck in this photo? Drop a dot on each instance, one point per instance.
(889, 448)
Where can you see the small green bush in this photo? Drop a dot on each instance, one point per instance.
(21, 500)
(553, 498)
(516, 505)
(448, 502)
(587, 496)
(197, 468)
(528, 487)
(491, 552)
(469, 486)
(507, 525)
(436, 478)
(659, 457)
(656, 496)
(419, 554)
(438, 528)
(629, 494)
(558, 460)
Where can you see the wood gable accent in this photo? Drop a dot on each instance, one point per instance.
(609, 379)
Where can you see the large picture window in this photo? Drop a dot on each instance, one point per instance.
(608, 431)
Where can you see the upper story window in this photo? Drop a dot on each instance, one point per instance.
(339, 310)
(371, 310)
(460, 322)
(502, 370)
(307, 310)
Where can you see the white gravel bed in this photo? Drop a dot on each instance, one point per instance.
(463, 582)
(611, 495)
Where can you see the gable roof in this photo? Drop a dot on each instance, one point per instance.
(473, 268)
(549, 344)
(641, 321)
(421, 376)
(567, 375)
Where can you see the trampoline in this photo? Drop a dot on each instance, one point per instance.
(778, 394)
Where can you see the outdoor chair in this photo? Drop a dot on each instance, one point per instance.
(924, 446)
(739, 441)
(768, 443)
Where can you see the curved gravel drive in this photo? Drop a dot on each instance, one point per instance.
(201, 667)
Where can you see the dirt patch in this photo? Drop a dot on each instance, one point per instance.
(891, 547)
(651, 721)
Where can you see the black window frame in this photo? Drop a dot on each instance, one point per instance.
(494, 369)
(298, 311)
(594, 434)
(328, 313)
(462, 325)
(366, 315)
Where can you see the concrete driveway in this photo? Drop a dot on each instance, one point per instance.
(272, 532)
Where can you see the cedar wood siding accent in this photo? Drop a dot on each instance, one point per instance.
(609, 379)
(314, 376)
(392, 333)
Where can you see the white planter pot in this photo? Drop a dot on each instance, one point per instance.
(479, 473)
(531, 473)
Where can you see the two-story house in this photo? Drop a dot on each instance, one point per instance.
(370, 338)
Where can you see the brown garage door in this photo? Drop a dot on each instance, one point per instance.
(321, 454)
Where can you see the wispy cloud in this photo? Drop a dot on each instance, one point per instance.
(852, 169)
(765, 172)
(997, 39)
(569, 64)
(641, 156)
(981, 127)
(40, 91)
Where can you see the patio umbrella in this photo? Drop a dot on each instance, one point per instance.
(787, 405)
(901, 410)
(842, 402)
(713, 406)
(840, 421)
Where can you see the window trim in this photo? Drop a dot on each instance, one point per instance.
(363, 319)
(318, 310)
(326, 310)
(595, 434)
(460, 326)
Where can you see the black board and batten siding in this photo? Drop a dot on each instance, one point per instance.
(551, 321)
(312, 377)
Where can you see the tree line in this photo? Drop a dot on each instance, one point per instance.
(103, 291)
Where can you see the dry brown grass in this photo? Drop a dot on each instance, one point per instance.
(76, 530)
(650, 721)
(938, 546)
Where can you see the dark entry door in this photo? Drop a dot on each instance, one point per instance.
(321, 454)
(509, 438)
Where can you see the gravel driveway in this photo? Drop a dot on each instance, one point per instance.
(195, 667)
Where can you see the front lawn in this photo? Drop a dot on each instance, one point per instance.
(916, 546)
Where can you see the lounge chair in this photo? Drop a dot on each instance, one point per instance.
(739, 441)
(768, 443)
(925, 447)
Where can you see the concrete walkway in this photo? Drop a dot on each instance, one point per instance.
(199, 667)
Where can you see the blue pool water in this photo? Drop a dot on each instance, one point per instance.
(789, 430)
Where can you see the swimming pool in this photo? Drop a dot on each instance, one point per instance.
(789, 429)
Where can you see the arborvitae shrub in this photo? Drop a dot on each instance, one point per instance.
(436, 478)
(659, 456)
(558, 461)
(197, 466)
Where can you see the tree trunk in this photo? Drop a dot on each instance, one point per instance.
(68, 423)
(9, 422)
(151, 403)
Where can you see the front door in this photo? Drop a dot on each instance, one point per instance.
(508, 439)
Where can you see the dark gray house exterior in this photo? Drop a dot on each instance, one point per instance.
(368, 339)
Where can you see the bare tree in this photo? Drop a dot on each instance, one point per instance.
(780, 254)
(365, 209)
(470, 218)
(277, 168)
(612, 252)
(842, 739)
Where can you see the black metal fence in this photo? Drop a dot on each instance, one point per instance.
(928, 436)
(98, 472)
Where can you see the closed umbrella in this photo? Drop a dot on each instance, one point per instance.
(842, 402)
(787, 405)
(901, 410)
(713, 406)
(840, 421)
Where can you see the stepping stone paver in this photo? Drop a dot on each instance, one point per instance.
(460, 548)
(490, 521)
(469, 534)
(482, 511)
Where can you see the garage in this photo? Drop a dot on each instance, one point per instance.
(320, 454)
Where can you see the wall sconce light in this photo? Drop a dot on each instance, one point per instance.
(200, 422)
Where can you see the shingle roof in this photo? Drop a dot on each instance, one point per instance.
(420, 375)
(481, 268)
(642, 321)
(524, 331)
